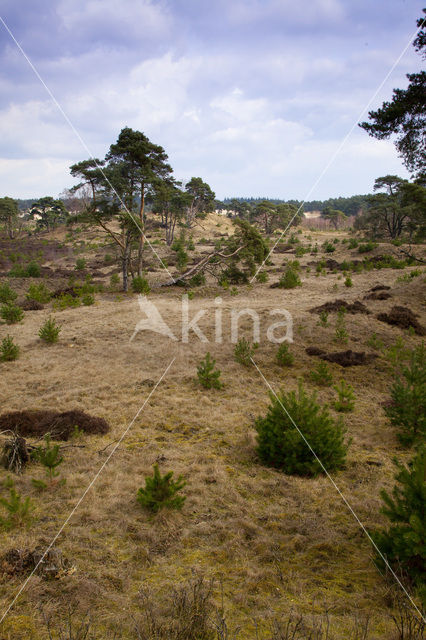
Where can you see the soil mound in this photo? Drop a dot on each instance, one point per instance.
(31, 305)
(336, 305)
(344, 358)
(378, 295)
(402, 317)
(59, 425)
(380, 287)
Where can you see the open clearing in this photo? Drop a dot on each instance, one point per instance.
(274, 543)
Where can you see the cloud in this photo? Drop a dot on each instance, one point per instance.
(249, 94)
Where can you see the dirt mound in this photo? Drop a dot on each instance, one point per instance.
(380, 287)
(336, 305)
(17, 562)
(404, 318)
(31, 305)
(314, 351)
(344, 358)
(59, 425)
(378, 295)
(350, 358)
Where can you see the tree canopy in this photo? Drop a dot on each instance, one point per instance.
(405, 115)
(9, 214)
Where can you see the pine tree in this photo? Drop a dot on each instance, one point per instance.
(208, 376)
(404, 543)
(160, 491)
(408, 408)
(281, 445)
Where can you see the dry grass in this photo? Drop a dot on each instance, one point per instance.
(277, 543)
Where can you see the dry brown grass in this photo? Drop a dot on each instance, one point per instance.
(277, 543)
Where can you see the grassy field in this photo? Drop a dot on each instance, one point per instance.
(276, 546)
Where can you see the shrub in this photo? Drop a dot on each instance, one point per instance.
(11, 314)
(328, 247)
(322, 375)
(348, 282)
(341, 334)
(244, 351)
(290, 279)
(323, 319)
(140, 285)
(88, 299)
(346, 399)
(262, 276)
(403, 544)
(48, 455)
(39, 292)
(17, 509)
(368, 246)
(31, 270)
(160, 491)
(8, 350)
(208, 376)
(50, 331)
(7, 294)
(108, 259)
(80, 264)
(114, 281)
(353, 243)
(284, 358)
(281, 444)
(408, 394)
(197, 280)
(65, 301)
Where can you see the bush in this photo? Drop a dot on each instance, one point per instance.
(140, 285)
(108, 259)
(322, 375)
(160, 491)
(290, 279)
(11, 314)
(49, 457)
(323, 319)
(262, 276)
(80, 264)
(65, 301)
(39, 292)
(31, 270)
(348, 282)
(346, 399)
(7, 294)
(50, 331)
(403, 544)
(368, 246)
(197, 280)
(284, 358)
(341, 334)
(8, 350)
(17, 509)
(208, 376)
(88, 299)
(328, 247)
(408, 394)
(244, 351)
(353, 243)
(281, 444)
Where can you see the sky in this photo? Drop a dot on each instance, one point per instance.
(254, 96)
